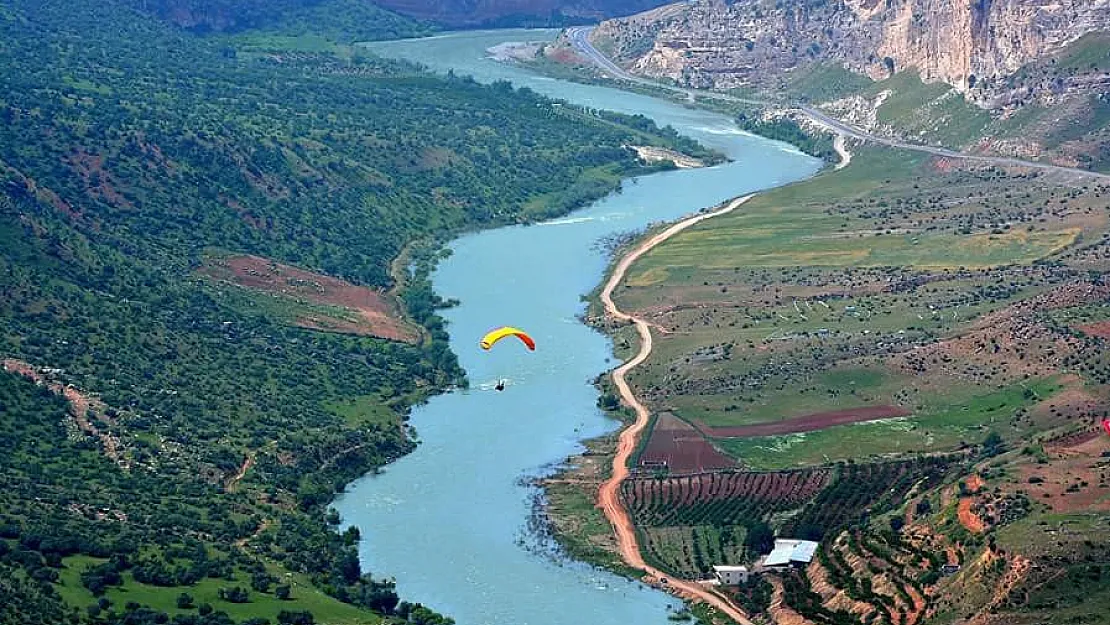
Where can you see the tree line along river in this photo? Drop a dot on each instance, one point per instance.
(450, 521)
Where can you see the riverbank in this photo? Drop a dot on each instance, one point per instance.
(652, 154)
(608, 494)
(478, 443)
(584, 471)
(774, 120)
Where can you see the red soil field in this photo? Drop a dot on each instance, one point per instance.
(680, 447)
(376, 314)
(1063, 444)
(807, 423)
(1100, 329)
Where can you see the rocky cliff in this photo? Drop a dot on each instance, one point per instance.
(745, 42)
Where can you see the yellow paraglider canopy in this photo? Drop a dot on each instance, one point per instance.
(496, 335)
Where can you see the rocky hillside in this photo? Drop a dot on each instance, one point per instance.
(722, 44)
(1029, 78)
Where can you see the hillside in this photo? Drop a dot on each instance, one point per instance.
(902, 359)
(383, 19)
(347, 20)
(507, 13)
(202, 333)
(1028, 77)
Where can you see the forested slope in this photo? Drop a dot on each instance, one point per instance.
(166, 435)
(348, 20)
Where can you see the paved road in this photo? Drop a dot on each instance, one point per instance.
(579, 38)
(609, 494)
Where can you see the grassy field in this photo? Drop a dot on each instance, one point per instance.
(816, 297)
(944, 423)
(795, 226)
(279, 308)
(577, 523)
(822, 82)
(366, 410)
(582, 527)
(866, 387)
(304, 596)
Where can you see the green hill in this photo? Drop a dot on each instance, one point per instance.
(187, 433)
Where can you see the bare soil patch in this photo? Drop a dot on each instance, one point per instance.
(781, 612)
(1099, 329)
(968, 518)
(1076, 478)
(1073, 401)
(566, 56)
(375, 313)
(808, 423)
(681, 448)
(99, 182)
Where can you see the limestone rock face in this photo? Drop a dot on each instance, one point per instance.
(951, 40)
(750, 42)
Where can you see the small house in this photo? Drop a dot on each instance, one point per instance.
(731, 575)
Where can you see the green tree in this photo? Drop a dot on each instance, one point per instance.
(760, 538)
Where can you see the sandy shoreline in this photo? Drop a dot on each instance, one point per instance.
(514, 51)
(654, 154)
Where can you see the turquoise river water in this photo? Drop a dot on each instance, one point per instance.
(451, 521)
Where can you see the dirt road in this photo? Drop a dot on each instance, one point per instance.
(608, 497)
(842, 149)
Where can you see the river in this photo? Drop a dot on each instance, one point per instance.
(449, 521)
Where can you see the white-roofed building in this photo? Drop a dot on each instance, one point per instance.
(788, 552)
(731, 575)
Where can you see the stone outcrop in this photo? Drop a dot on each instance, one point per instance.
(715, 43)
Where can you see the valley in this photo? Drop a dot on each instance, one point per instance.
(245, 260)
(738, 311)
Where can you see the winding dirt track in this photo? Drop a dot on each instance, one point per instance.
(608, 497)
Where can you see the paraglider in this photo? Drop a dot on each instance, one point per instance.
(1106, 425)
(493, 336)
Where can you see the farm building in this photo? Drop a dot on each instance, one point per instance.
(731, 575)
(789, 552)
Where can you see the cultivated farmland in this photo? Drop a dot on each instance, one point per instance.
(733, 498)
